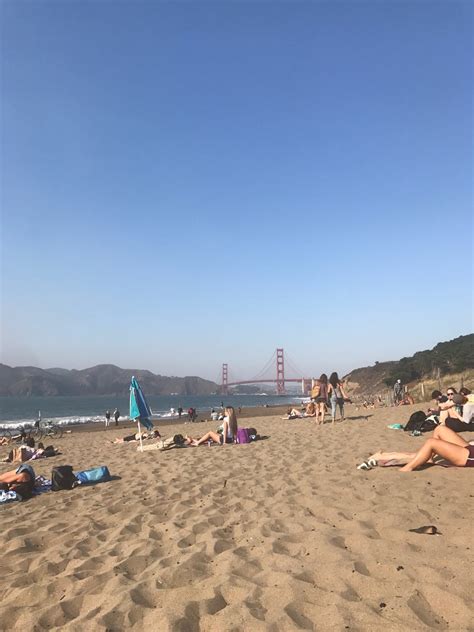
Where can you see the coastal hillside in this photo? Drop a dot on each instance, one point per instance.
(451, 361)
(104, 379)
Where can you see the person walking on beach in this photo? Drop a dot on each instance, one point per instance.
(107, 418)
(116, 416)
(322, 399)
(336, 396)
(180, 411)
(397, 392)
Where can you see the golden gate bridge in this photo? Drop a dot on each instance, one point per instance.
(277, 365)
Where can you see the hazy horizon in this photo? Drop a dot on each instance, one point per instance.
(190, 184)
(217, 379)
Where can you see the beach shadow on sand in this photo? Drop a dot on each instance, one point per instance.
(366, 417)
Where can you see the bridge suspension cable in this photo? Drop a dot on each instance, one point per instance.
(260, 375)
(291, 364)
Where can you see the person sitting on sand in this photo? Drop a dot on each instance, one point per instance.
(136, 437)
(310, 410)
(407, 400)
(462, 409)
(21, 481)
(19, 437)
(444, 443)
(229, 430)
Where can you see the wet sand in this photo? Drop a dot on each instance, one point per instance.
(282, 534)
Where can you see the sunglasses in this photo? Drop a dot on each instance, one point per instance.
(449, 393)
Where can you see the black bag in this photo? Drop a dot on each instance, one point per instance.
(415, 422)
(62, 477)
(420, 422)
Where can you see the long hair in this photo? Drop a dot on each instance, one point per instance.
(324, 378)
(230, 412)
(334, 379)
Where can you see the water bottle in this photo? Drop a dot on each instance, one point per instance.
(209, 442)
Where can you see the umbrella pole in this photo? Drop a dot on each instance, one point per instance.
(140, 435)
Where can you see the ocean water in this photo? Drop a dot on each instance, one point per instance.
(23, 411)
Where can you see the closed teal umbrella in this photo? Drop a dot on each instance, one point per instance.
(139, 409)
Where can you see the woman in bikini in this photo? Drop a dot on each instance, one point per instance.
(229, 430)
(444, 443)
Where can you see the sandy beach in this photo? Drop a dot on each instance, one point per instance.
(281, 534)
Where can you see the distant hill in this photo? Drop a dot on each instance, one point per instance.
(104, 379)
(445, 359)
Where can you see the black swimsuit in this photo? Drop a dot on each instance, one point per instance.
(470, 456)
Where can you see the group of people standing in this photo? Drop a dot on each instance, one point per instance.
(325, 393)
(328, 392)
(116, 417)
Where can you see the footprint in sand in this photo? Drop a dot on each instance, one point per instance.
(422, 609)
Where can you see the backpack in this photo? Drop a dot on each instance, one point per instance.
(95, 475)
(420, 422)
(415, 422)
(243, 435)
(62, 477)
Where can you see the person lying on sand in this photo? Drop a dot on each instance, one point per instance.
(27, 453)
(229, 431)
(19, 437)
(136, 437)
(294, 413)
(444, 443)
(21, 481)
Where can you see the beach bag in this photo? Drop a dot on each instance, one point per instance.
(243, 435)
(415, 422)
(62, 477)
(430, 423)
(315, 390)
(95, 475)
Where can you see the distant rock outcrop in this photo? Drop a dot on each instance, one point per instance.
(104, 379)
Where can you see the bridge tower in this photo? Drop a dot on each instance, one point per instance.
(280, 378)
(225, 379)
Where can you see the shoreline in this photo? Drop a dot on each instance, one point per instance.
(93, 426)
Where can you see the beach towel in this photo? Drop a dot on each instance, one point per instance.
(8, 497)
(42, 485)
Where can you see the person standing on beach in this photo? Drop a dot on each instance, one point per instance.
(336, 396)
(397, 392)
(180, 411)
(116, 416)
(107, 418)
(322, 399)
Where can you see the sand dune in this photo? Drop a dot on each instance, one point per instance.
(283, 534)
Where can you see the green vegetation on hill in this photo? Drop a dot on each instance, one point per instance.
(453, 356)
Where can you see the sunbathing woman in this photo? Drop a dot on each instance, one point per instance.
(444, 443)
(229, 430)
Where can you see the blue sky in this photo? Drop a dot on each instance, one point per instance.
(186, 184)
